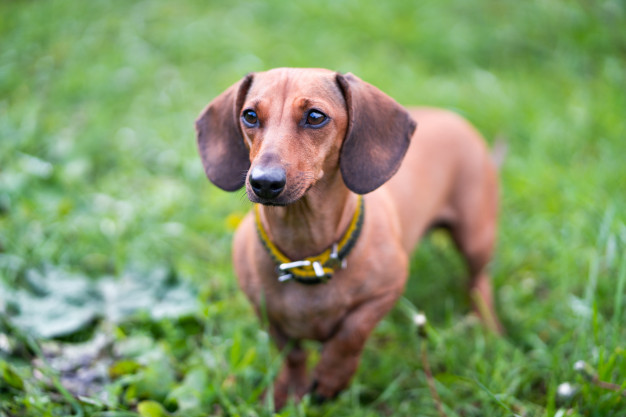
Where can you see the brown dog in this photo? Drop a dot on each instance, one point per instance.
(320, 261)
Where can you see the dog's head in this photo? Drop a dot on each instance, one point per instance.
(282, 131)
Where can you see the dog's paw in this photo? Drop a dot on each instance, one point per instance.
(320, 394)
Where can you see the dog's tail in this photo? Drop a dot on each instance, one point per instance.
(498, 151)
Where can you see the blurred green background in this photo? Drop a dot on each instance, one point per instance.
(113, 242)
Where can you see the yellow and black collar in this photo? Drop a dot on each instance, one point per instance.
(319, 268)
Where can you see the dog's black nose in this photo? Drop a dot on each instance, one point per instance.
(267, 181)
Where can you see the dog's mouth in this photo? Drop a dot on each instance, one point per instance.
(276, 202)
(272, 203)
(286, 197)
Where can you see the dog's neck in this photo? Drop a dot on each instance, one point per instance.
(313, 223)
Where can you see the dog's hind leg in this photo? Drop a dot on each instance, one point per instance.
(474, 233)
(476, 244)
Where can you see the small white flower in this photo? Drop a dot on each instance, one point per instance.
(579, 366)
(420, 319)
(566, 390)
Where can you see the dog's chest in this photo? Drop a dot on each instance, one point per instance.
(307, 312)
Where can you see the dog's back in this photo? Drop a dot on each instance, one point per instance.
(425, 188)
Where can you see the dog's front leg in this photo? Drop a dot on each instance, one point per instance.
(341, 354)
(293, 378)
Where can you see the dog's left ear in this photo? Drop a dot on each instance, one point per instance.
(378, 135)
(220, 141)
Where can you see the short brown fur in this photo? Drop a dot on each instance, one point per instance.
(442, 173)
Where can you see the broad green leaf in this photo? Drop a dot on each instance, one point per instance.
(9, 377)
(156, 379)
(189, 395)
(151, 409)
(123, 367)
(56, 303)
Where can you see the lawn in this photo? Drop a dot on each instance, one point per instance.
(117, 296)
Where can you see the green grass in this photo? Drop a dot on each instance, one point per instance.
(100, 180)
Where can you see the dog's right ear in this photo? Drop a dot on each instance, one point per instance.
(220, 140)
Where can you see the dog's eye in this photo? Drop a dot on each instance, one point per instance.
(315, 118)
(249, 118)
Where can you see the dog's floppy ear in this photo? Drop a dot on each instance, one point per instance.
(220, 141)
(378, 135)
